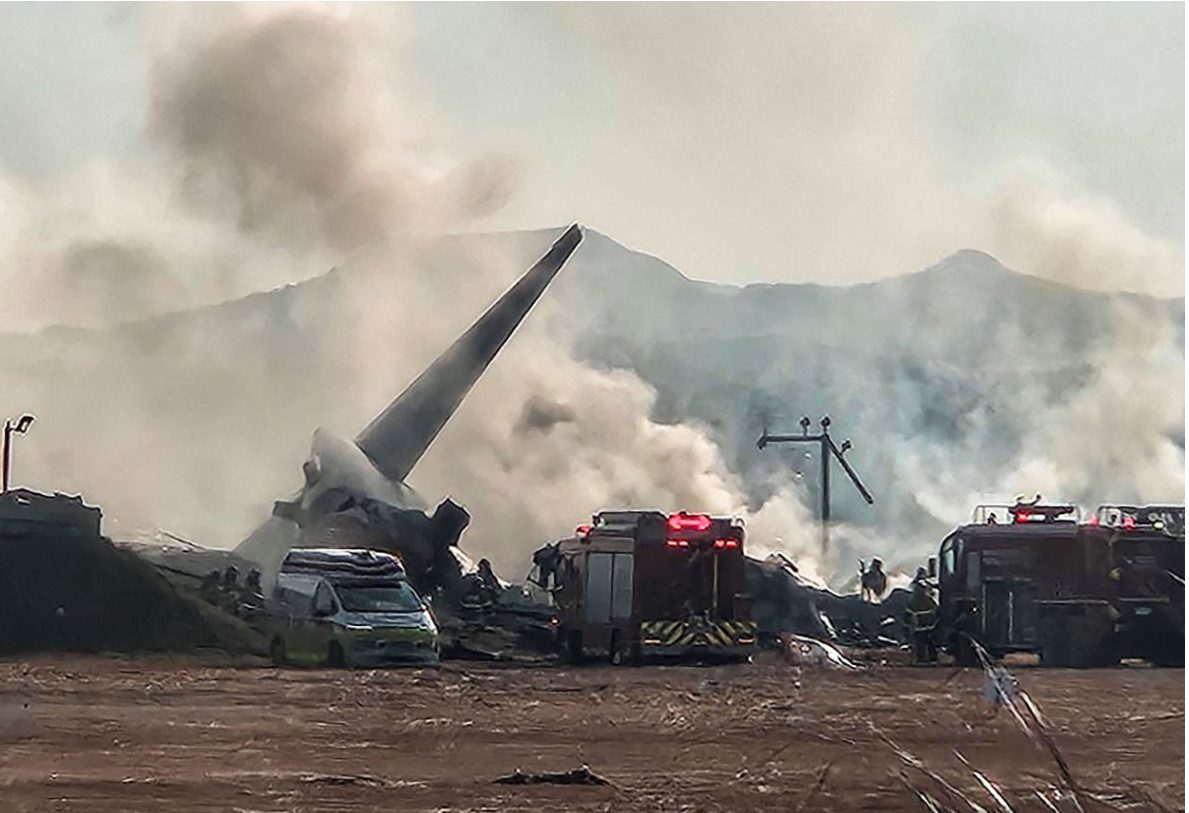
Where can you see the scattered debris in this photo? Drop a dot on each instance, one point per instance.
(992, 790)
(822, 774)
(359, 780)
(578, 776)
(948, 790)
(1027, 715)
(801, 651)
(1000, 687)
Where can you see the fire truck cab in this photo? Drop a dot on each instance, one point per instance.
(635, 585)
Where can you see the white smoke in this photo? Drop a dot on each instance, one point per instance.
(1044, 227)
(547, 441)
(281, 149)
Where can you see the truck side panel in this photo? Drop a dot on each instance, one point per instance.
(599, 571)
(621, 586)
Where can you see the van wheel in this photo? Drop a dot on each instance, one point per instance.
(335, 658)
(276, 651)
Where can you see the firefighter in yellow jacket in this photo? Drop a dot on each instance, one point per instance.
(922, 619)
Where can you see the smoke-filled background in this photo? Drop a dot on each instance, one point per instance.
(257, 147)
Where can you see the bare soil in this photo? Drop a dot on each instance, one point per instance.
(170, 734)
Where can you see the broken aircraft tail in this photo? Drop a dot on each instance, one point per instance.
(397, 438)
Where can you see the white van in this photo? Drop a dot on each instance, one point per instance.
(348, 608)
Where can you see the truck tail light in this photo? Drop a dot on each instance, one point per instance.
(677, 543)
(726, 543)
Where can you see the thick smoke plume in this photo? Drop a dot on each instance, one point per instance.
(281, 155)
(279, 148)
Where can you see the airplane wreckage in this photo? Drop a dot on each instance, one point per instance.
(355, 496)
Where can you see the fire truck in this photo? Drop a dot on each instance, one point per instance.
(1034, 578)
(636, 585)
(992, 572)
(1131, 602)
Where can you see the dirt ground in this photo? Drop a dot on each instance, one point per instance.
(162, 734)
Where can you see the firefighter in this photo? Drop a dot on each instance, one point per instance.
(252, 595)
(252, 583)
(546, 560)
(922, 619)
(873, 580)
(482, 588)
(210, 587)
(229, 590)
(489, 585)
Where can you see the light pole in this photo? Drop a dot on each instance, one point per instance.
(828, 449)
(20, 427)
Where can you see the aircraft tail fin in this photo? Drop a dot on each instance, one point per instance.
(397, 438)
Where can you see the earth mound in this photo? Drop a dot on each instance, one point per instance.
(65, 590)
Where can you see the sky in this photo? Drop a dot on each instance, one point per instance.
(835, 143)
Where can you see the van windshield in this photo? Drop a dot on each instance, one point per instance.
(396, 598)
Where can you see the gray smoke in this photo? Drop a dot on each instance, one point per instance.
(279, 148)
(280, 155)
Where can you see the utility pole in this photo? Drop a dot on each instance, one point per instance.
(20, 427)
(828, 450)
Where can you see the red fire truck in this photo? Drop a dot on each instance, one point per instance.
(634, 585)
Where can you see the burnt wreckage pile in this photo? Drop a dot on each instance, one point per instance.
(354, 493)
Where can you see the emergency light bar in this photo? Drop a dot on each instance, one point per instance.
(689, 522)
(1167, 518)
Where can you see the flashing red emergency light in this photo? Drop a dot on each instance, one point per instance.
(1128, 523)
(689, 522)
(1021, 517)
(1093, 520)
(582, 530)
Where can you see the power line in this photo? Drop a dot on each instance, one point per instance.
(828, 450)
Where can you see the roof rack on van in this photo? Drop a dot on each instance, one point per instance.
(336, 562)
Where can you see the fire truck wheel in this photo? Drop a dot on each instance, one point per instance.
(964, 654)
(335, 658)
(1171, 657)
(615, 650)
(572, 646)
